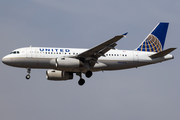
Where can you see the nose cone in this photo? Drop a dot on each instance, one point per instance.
(10, 60)
(7, 60)
(4, 60)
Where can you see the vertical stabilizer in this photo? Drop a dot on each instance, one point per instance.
(154, 42)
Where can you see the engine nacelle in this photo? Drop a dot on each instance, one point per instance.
(68, 63)
(57, 75)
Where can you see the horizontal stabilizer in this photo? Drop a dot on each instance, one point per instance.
(162, 53)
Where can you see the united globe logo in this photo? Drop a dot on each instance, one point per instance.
(151, 44)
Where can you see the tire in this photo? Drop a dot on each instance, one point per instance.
(28, 77)
(88, 74)
(81, 82)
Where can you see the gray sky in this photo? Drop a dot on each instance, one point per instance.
(145, 93)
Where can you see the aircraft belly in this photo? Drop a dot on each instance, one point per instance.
(115, 65)
(118, 65)
(30, 62)
(40, 63)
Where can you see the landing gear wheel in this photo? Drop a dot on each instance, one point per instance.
(88, 74)
(28, 77)
(81, 82)
(28, 71)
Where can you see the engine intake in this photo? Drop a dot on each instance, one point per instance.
(57, 75)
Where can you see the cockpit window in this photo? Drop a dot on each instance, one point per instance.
(14, 52)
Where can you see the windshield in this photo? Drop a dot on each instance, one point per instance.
(14, 52)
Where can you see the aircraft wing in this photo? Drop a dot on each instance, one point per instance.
(100, 50)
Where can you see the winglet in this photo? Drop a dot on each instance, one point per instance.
(125, 34)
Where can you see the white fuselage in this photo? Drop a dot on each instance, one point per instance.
(44, 58)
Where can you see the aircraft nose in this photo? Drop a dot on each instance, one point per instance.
(4, 60)
(9, 60)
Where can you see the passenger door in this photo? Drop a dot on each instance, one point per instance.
(29, 52)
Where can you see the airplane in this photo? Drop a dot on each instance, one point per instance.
(62, 63)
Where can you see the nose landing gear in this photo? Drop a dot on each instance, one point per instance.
(28, 75)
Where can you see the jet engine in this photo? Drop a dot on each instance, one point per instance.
(57, 75)
(68, 63)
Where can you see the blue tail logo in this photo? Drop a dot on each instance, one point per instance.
(154, 42)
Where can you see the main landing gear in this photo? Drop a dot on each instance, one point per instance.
(28, 75)
(88, 74)
(81, 80)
